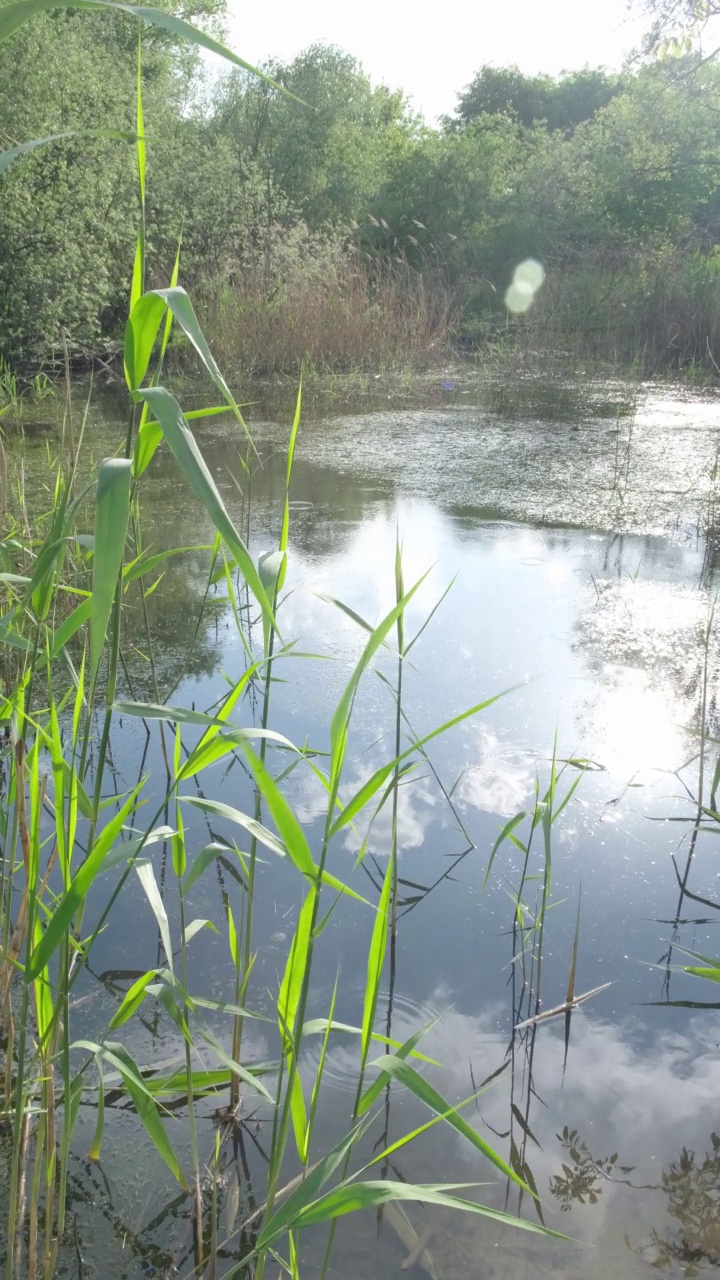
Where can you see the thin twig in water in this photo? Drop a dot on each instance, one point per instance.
(566, 1007)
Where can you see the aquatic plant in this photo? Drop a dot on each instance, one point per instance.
(74, 840)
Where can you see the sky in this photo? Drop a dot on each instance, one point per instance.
(432, 50)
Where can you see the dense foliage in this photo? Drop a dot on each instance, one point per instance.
(291, 213)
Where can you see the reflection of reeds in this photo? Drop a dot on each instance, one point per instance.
(704, 819)
(528, 933)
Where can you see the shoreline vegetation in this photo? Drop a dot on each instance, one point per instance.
(343, 232)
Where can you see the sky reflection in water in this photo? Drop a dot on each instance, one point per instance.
(593, 620)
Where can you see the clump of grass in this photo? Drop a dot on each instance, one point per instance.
(328, 305)
(654, 311)
(18, 394)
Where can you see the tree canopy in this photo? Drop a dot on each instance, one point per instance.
(588, 172)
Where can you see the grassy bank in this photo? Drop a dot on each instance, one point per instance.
(335, 315)
(328, 308)
(654, 314)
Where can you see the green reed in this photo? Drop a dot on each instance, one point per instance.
(65, 597)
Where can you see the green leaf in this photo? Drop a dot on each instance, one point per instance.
(352, 1196)
(318, 1026)
(238, 1070)
(408, 1076)
(145, 564)
(96, 1145)
(166, 997)
(288, 1002)
(255, 828)
(373, 784)
(194, 928)
(132, 999)
(149, 432)
(111, 521)
(375, 961)
(302, 1196)
(146, 876)
(140, 142)
(13, 16)
(184, 447)
(504, 835)
(70, 626)
(201, 1081)
(63, 915)
(144, 1105)
(205, 858)
(405, 1050)
(158, 711)
(288, 826)
(315, 1095)
(126, 851)
(285, 529)
(289, 829)
(142, 330)
(341, 718)
(712, 975)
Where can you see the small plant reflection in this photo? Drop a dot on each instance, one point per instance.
(693, 1190)
(581, 1182)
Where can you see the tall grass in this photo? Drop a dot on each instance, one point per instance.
(656, 308)
(326, 304)
(65, 823)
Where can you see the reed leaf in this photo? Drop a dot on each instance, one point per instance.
(287, 1008)
(375, 962)
(111, 521)
(146, 876)
(183, 445)
(132, 999)
(25, 148)
(341, 718)
(352, 1196)
(96, 1144)
(405, 1050)
(206, 858)
(395, 1068)
(285, 528)
(373, 784)
(145, 1106)
(13, 16)
(256, 829)
(61, 919)
(289, 829)
(141, 334)
(304, 1193)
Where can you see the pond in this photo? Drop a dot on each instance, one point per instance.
(572, 523)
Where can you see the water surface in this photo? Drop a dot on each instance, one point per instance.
(576, 523)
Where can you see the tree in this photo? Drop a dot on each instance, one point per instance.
(68, 212)
(676, 24)
(559, 104)
(329, 156)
